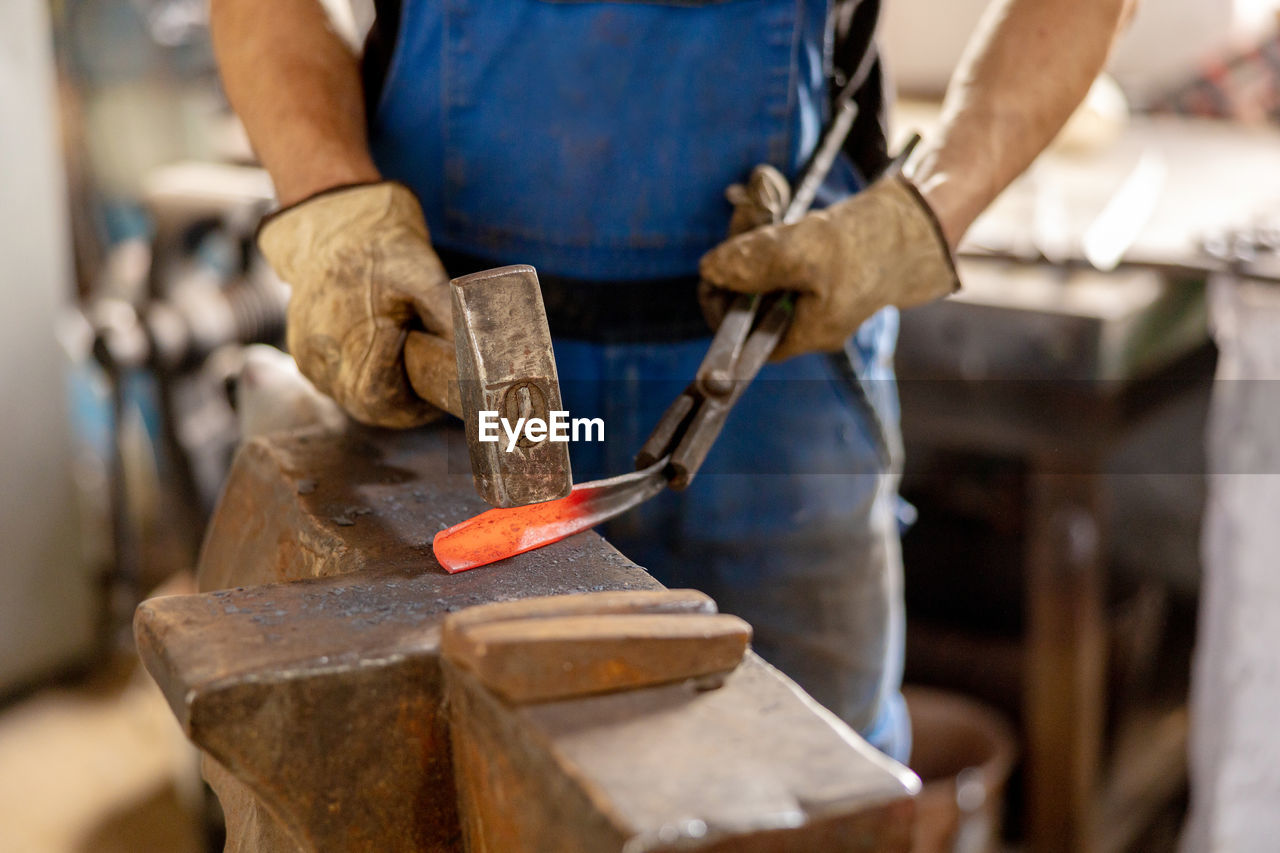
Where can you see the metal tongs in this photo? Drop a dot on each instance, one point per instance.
(752, 327)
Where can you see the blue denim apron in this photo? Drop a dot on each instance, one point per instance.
(594, 140)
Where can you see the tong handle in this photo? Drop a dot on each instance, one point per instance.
(709, 418)
(695, 439)
(713, 381)
(715, 374)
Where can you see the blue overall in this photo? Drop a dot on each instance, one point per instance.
(594, 140)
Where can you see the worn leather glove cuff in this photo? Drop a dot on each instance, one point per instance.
(946, 257)
(321, 220)
(337, 189)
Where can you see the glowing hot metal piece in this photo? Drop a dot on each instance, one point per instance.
(501, 533)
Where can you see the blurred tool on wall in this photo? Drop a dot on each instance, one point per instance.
(168, 288)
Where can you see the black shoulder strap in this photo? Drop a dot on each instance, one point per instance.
(379, 46)
(854, 26)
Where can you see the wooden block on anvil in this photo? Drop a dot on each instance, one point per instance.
(576, 645)
(319, 703)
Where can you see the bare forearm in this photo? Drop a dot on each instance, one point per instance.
(296, 87)
(1027, 68)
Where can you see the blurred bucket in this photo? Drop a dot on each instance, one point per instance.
(963, 754)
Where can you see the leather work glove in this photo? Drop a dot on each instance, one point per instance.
(364, 277)
(880, 247)
(762, 200)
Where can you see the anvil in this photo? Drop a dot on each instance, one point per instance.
(309, 673)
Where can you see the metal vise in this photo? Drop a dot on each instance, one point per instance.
(310, 673)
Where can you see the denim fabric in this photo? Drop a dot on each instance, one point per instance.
(792, 521)
(594, 140)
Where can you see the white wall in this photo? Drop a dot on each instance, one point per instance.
(44, 591)
(1252, 15)
(923, 40)
(1168, 40)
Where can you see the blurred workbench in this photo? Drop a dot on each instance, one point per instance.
(1052, 355)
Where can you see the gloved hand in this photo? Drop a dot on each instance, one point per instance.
(880, 247)
(364, 276)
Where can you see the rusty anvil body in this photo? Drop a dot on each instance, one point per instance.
(309, 674)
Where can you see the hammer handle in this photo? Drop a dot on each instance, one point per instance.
(431, 364)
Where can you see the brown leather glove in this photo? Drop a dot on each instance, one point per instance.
(880, 247)
(364, 276)
(762, 200)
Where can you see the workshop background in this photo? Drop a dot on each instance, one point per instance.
(1075, 471)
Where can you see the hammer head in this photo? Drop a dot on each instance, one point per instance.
(506, 372)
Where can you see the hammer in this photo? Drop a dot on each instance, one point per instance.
(506, 372)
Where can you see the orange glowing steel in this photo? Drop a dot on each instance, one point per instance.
(501, 533)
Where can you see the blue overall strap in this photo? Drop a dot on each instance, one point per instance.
(594, 140)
